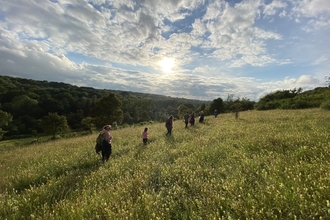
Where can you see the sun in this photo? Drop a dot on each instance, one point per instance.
(167, 64)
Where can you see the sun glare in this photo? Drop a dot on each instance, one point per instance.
(167, 64)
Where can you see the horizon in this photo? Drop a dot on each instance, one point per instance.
(198, 50)
(224, 99)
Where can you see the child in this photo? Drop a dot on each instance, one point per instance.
(145, 136)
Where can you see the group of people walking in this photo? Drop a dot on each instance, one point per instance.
(105, 145)
(190, 118)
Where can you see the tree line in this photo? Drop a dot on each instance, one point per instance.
(29, 107)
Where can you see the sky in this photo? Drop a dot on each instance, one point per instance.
(194, 49)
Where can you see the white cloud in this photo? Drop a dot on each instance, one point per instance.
(283, 14)
(199, 28)
(273, 7)
(262, 34)
(120, 42)
(311, 8)
(321, 60)
(306, 80)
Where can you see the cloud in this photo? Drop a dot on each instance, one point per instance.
(273, 7)
(307, 80)
(118, 44)
(321, 60)
(311, 8)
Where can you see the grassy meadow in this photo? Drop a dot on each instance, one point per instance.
(265, 165)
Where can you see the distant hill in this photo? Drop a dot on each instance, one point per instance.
(8, 83)
(294, 99)
(29, 100)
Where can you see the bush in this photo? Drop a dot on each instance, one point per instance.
(325, 105)
(69, 135)
(125, 125)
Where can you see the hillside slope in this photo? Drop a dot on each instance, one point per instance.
(265, 165)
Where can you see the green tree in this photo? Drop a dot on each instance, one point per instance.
(74, 119)
(127, 118)
(5, 118)
(201, 107)
(54, 124)
(24, 105)
(325, 105)
(171, 111)
(88, 122)
(182, 109)
(275, 100)
(216, 104)
(107, 110)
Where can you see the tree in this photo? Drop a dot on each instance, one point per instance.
(216, 104)
(107, 110)
(24, 105)
(201, 107)
(54, 123)
(278, 99)
(5, 118)
(74, 119)
(182, 109)
(88, 122)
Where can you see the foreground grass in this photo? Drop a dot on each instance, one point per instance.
(266, 165)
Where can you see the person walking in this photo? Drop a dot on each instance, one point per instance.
(201, 117)
(169, 125)
(215, 113)
(145, 136)
(186, 119)
(192, 119)
(106, 144)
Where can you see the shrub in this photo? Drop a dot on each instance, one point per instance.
(325, 105)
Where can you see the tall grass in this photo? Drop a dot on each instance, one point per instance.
(265, 165)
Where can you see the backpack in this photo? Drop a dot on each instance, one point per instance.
(99, 139)
(99, 143)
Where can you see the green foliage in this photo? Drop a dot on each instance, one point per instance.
(88, 122)
(24, 105)
(266, 165)
(183, 109)
(294, 99)
(76, 103)
(75, 119)
(274, 100)
(30, 100)
(54, 124)
(325, 105)
(237, 104)
(216, 104)
(201, 107)
(107, 110)
(5, 118)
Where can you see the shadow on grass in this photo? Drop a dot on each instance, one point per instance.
(170, 138)
(65, 184)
